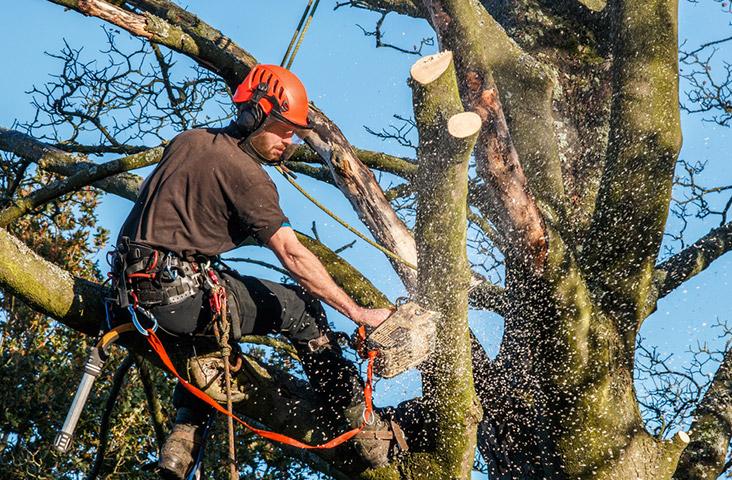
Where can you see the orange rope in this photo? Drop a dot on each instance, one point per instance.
(157, 346)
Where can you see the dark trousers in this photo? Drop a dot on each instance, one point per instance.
(263, 307)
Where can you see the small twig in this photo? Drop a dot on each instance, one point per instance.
(378, 34)
(345, 247)
(260, 263)
(117, 381)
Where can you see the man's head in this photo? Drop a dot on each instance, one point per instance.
(271, 139)
(272, 105)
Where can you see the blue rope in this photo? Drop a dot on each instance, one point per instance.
(199, 458)
(107, 319)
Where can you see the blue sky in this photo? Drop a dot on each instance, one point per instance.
(356, 84)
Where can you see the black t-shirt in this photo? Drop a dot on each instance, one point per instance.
(206, 196)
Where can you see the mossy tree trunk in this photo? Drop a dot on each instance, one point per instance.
(444, 275)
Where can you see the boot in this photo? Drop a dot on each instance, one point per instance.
(381, 439)
(181, 448)
(338, 382)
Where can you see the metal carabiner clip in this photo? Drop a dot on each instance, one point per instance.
(136, 321)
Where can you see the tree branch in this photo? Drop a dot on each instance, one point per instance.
(54, 160)
(692, 260)
(711, 429)
(80, 179)
(412, 8)
(359, 185)
(645, 137)
(487, 296)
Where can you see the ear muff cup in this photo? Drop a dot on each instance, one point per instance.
(250, 118)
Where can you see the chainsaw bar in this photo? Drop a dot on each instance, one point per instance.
(404, 340)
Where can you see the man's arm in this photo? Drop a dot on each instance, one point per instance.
(311, 274)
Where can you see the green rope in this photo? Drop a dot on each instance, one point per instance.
(296, 33)
(302, 35)
(309, 14)
(335, 217)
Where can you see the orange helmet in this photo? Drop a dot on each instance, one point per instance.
(277, 91)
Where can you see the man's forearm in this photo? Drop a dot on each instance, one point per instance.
(312, 276)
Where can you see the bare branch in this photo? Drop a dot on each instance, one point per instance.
(378, 33)
(692, 260)
(412, 8)
(56, 161)
(77, 181)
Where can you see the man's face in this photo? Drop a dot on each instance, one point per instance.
(271, 140)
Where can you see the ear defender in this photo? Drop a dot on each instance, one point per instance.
(250, 117)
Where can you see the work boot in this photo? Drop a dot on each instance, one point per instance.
(338, 382)
(381, 439)
(181, 448)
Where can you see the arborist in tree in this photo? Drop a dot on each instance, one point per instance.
(210, 194)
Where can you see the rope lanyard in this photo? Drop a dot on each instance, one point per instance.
(158, 348)
(301, 34)
(335, 217)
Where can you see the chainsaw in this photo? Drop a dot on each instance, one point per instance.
(403, 341)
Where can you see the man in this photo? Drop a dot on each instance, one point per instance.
(210, 194)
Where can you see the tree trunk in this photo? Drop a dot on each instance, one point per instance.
(447, 137)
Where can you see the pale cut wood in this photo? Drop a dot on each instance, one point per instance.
(428, 69)
(464, 124)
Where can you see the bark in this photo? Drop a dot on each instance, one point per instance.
(645, 138)
(711, 430)
(441, 231)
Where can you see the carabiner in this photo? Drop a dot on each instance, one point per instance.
(137, 323)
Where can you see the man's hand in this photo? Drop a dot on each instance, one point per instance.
(371, 317)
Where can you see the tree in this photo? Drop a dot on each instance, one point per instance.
(571, 113)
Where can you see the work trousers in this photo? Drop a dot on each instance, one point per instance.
(263, 307)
